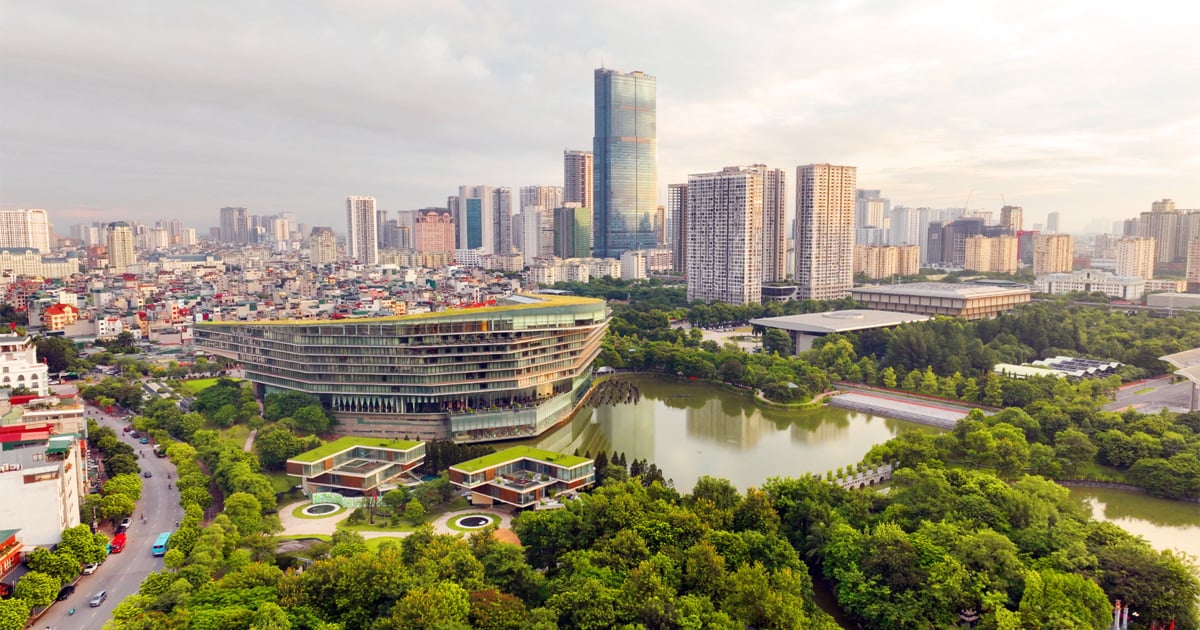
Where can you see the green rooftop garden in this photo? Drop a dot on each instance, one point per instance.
(341, 444)
(518, 452)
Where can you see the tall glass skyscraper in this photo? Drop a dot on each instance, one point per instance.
(625, 164)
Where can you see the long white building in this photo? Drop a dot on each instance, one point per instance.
(1092, 280)
(725, 234)
(825, 204)
(362, 233)
(27, 227)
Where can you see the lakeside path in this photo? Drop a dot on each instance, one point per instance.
(883, 403)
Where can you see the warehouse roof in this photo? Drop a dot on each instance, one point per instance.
(838, 321)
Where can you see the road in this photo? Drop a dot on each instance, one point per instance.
(1151, 395)
(122, 573)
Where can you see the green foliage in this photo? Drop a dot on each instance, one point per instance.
(37, 589)
(127, 484)
(59, 353)
(13, 613)
(277, 443)
(415, 512)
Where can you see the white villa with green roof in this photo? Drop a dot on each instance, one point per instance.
(522, 475)
(354, 465)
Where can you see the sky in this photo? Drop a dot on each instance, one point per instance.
(146, 110)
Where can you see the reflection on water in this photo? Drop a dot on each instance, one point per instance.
(1165, 524)
(691, 429)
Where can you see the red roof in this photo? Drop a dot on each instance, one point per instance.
(25, 432)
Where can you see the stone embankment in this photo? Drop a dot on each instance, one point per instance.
(913, 411)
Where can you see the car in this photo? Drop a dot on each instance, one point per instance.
(146, 474)
(144, 440)
(127, 429)
(66, 592)
(126, 523)
(97, 599)
(135, 434)
(90, 568)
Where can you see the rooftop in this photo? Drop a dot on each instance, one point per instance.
(520, 452)
(522, 302)
(838, 321)
(943, 290)
(341, 444)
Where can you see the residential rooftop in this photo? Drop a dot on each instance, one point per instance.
(520, 452)
(345, 443)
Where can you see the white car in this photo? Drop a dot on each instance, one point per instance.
(90, 568)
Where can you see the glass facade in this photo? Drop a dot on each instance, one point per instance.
(474, 223)
(488, 364)
(625, 149)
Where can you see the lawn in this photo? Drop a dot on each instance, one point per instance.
(381, 522)
(236, 435)
(195, 386)
(374, 543)
(281, 481)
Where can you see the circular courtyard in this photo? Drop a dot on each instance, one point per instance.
(474, 521)
(322, 509)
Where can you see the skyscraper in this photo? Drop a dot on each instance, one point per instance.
(25, 228)
(549, 197)
(871, 209)
(1052, 223)
(625, 163)
(725, 235)
(362, 237)
(1162, 224)
(1013, 217)
(1135, 257)
(577, 177)
(120, 246)
(825, 197)
(774, 223)
(476, 218)
(572, 231)
(235, 225)
(502, 204)
(677, 225)
(322, 247)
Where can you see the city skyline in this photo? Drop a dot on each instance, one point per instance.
(188, 110)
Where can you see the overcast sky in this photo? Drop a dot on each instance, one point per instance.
(149, 110)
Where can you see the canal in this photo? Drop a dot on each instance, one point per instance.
(691, 429)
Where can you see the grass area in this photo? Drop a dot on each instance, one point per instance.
(492, 518)
(1097, 472)
(381, 522)
(1144, 390)
(517, 452)
(324, 537)
(236, 435)
(344, 443)
(373, 544)
(298, 511)
(280, 481)
(197, 385)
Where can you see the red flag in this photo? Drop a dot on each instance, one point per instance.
(1172, 625)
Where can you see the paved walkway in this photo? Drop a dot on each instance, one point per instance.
(911, 410)
(293, 526)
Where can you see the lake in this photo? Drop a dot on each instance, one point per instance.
(1165, 524)
(690, 429)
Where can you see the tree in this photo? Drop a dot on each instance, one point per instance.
(57, 352)
(116, 506)
(415, 512)
(493, 610)
(311, 419)
(889, 377)
(82, 545)
(270, 616)
(1054, 599)
(444, 604)
(37, 588)
(13, 613)
(276, 444)
(395, 499)
(225, 416)
(127, 484)
(121, 464)
(62, 566)
(776, 341)
(1074, 450)
(993, 391)
(245, 511)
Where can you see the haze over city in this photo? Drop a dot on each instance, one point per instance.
(147, 110)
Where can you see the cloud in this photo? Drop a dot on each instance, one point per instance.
(160, 110)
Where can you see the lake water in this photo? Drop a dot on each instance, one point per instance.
(1165, 524)
(690, 429)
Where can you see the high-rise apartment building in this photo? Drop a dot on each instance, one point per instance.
(572, 231)
(1162, 224)
(433, 231)
(25, 228)
(383, 237)
(121, 252)
(677, 225)
(994, 254)
(725, 235)
(322, 247)
(235, 226)
(502, 209)
(871, 209)
(886, 261)
(1135, 257)
(362, 234)
(1193, 266)
(904, 226)
(1013, 218)
(537, 233)
(545, 196)
(1052, 222)
(625, 166)
(774, 222)
(1053, 253)
(825, 196)
(577, 178)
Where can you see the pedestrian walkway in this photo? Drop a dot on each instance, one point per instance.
(294, 526)
(913, 411)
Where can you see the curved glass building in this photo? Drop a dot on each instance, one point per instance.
(491, 373)
(625, 163)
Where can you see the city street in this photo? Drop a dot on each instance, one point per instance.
(122, 573)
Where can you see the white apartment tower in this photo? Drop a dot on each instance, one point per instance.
(25, 228)
(322, 247)
(362, 234)
(775, 239)
(121, 251)
(502, 225)
(577, 177)
(725, 235)
(1053, 253)
(1135, 257)
(677, 225)
(825, 204)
